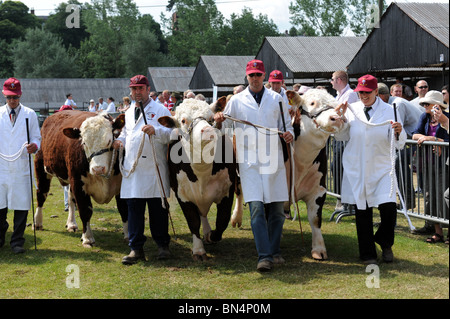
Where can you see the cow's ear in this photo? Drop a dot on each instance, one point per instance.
(119, 122)
(167, 121)
(72, 132)
(294, 98)
(219, 105)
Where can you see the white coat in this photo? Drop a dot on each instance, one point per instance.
(15, 188)
(259, 153)
(143, 182)
(366, 159)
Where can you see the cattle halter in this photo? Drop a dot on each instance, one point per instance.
(102, 151)
(314, 115)
(195, 122)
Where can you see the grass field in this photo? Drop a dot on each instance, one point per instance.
(420, 270)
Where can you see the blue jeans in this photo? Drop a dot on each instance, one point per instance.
(159, 222)
(267, 225)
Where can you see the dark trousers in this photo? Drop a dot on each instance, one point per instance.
(384, 235)
(20, 223)
(159, 222)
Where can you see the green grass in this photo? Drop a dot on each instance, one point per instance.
(420, 270)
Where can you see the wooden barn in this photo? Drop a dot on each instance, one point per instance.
(308, 60)
(174, 79)
(412, 41)
(225, 72)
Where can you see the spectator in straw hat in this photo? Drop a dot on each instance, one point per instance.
(429, 129)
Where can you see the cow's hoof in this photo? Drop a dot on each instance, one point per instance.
(209, 238)
(198, 257)
(37, 227)
(72, 229)
(236, 223)
(88, 245)
(319, 256)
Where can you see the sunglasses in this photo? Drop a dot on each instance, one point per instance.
(422, 87)
(425, 104)
(14, 97)
(364, 92)
(255, 74)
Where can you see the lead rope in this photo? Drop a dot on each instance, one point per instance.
(135, 162)
(275, 131)
(133, 167)
(394, 184)
(15, 157)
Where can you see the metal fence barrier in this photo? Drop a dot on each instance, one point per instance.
(422, 176)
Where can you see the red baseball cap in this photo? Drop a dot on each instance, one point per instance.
(139, 80)
(12, 87)
(276, 76)
(255, 66)
(367, 83)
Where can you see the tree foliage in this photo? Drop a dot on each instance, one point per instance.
(42, 55)
(115, 40)
(195, 31)
(331, 17)
(245, 33)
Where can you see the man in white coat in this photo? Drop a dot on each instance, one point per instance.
(367, 163)
(140, 177)
(260, 158)
(15, 182)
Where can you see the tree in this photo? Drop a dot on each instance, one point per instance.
(121, 42)
(363, 13)
(42, 55)
(195, 31)
(6, 65)
(15, 20)
(56, 23)
(245, 33)
(319, 17)
(143, 53)
(331, 17)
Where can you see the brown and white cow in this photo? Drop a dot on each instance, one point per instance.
(76, 149)
(202, 170)
(318, 122)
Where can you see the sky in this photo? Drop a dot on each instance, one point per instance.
(277, 10)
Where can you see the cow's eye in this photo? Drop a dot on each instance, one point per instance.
(183, 121)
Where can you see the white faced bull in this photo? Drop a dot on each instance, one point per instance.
(202, 170)
(314, 121)
(97, 135)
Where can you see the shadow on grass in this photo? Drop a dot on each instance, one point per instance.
(233, 256)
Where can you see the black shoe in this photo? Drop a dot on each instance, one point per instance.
(134, 257)
(423, 231)
(18, 250)
(370, 262)
(163, 253)
(388, 255)
(264, 265)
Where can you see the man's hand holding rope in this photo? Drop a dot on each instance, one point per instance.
(287, 136)
(342, 108)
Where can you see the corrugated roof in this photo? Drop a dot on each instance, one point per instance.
(170, 78)
(37, 92)
(432, 17)
(226, 70)
(316, 54)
